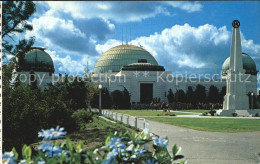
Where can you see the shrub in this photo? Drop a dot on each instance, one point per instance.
(205, 114)
(212, 112)
(81, 117)
(121, 99)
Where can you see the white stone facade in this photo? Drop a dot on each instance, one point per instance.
(162, 81)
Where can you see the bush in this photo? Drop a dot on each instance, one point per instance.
(81, 117)
(34, 109)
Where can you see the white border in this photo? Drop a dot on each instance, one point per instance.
(1, 78)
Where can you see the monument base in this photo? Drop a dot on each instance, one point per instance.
(239, 113)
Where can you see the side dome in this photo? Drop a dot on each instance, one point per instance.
(117, 57)
(248, 64)
(36, 60)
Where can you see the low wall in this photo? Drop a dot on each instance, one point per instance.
(136, 122)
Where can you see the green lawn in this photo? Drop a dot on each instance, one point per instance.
(94, 135)
(144, 112)
(96, 132)
(194, 110)
(213, 125)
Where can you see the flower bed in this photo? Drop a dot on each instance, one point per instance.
(119, 148)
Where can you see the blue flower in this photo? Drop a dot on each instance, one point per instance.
(110, 157)
(45, 146)
(160, 142)
(50, 150)
(140, 151)
(108, 162)
(55, 151)
(52, 133)
(112, 154)
(41, 162)
(151, 161)
(22, 162)
(116, 143)
(9, 158)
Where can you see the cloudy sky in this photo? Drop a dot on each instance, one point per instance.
(184, 36)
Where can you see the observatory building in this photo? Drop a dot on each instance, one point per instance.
(36, 68)
(131, 67)
(134, 68)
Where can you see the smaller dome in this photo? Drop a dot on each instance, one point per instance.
(36, 60)
(142, 67)
(248, 64)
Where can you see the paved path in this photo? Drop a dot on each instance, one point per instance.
(198, 116)
(200, 147)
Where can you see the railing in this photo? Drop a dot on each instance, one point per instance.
(136, 122)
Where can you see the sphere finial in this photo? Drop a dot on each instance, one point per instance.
(235, 23)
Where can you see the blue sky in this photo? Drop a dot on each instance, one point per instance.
(185, 37)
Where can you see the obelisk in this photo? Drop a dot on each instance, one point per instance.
(236, 97)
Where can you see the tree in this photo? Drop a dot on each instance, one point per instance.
(213, 96)
(258, 100)
(180, 96)
(77, 92)
(117, 98)
(222, 94)
(200, 94)
(15, 16)
(105, 99)
(170, 96)
(190, 95)
(126, 99)
(258, 96)
(21, 113)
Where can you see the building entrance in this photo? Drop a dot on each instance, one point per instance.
(146, 93)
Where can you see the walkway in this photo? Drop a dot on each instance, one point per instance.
(201, 147)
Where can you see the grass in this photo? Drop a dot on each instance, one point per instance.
(96, 132)
(94, 135)
(213, 125)
(145, 112)
(194, 110)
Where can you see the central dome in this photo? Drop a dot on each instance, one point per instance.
(117, 57)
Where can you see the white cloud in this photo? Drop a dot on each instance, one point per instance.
(187, 6)
(69, 34)
(70, 64)
(121, 11)
(193, 49)
(101, 48)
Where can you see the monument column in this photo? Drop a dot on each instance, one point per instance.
(236, 97)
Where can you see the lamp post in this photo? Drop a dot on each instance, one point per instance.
(100, 87)
(252, 100)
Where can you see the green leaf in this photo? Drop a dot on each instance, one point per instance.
(15, 152)
(27, 153)
(107, 140)
(62, 158)
(69, 145)
(23, 150)
(79, 147)
(174, 150)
